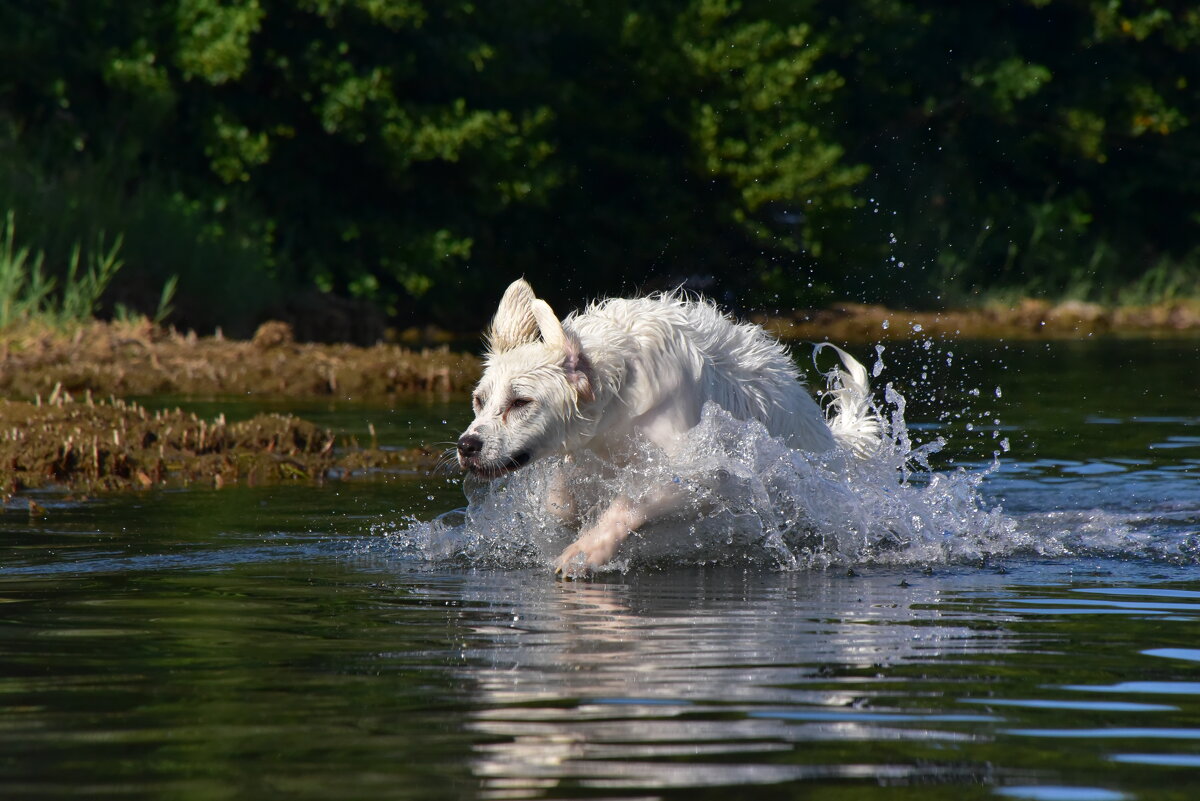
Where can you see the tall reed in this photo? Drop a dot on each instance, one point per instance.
(29, 295)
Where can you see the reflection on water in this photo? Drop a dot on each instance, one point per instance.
(268, 644)
(291, 663)
(672, 683)
(730, 680)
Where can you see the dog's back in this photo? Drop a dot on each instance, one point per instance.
(679, 354)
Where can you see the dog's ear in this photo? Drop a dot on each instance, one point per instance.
(578, 370)
(514, 323)
(547, 323)
(575, 364)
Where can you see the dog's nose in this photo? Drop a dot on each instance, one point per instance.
(469, 445)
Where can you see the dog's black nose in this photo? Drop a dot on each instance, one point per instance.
(469, 445)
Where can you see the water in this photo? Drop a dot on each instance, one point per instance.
(283, 642)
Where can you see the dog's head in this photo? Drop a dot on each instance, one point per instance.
(528, 401)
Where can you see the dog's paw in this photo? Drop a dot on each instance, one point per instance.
(585, 555)
(573, 568)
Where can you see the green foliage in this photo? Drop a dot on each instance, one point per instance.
(419, 155)
(24, 287)
(220, 263)
(1168, 280)
(81, 292)
(1041, 145)
(752, 122)
(28, 295)
(214, 38)
(165, 306)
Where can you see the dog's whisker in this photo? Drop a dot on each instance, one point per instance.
(444, 461)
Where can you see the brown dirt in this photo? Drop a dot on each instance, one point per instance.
(1030, 318)
(141, 359)
(86, 444)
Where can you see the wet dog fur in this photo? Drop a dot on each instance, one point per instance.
(639, 369)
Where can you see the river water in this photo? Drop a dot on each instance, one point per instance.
(1026, 626)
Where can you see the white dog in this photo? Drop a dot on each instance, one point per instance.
(640, 369)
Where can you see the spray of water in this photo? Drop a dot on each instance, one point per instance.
(751, 500)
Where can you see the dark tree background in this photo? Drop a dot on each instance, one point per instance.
(414, 156)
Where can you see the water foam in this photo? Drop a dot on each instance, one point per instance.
(751, 500)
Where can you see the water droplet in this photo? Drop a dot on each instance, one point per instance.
(508, 521)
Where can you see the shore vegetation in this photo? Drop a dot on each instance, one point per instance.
(353, 165)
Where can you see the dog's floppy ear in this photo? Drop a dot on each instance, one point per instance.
(514, 323)
(575, 363)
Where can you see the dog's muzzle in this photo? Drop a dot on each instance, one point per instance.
(469, 445)
(469, 448)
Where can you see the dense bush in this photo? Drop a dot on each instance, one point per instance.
(420, 154)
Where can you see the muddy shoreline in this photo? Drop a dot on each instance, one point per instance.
(67, 422)
(89, 445)
(1028, 319)
(139, 360)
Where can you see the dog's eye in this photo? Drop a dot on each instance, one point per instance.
(477, 402)
(520, 403)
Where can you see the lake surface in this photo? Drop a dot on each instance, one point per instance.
(304, 642)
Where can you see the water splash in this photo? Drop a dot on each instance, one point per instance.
(755, 502)
(751, 500)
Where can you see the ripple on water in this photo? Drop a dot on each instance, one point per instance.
(756, 502)
(1058, 793)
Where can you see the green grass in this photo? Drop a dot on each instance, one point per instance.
(25, 291)
(179, 257)
(1169, 281)
(1165, 282)
(29, 295)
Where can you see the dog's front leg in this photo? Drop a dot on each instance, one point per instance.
(598, 545)
(560, 499)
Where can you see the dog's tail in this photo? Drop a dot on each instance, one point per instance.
(853, 417)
